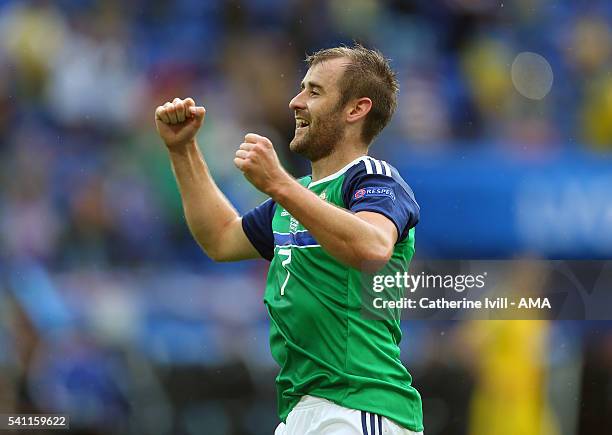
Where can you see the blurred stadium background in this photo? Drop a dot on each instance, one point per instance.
(109, 311)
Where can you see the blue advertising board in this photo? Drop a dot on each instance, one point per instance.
(495, 205)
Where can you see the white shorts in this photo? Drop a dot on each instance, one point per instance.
(316, 416)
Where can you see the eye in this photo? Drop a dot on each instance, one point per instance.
(314, 93)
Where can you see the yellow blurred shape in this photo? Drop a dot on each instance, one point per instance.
(596, 114)
(486, 65)
(510, 394)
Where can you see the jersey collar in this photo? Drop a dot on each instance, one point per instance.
(337, 174)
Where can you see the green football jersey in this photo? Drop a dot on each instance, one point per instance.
(320, 335)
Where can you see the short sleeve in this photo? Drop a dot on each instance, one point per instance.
(257, 225)
(374, 185)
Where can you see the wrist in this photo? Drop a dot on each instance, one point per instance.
(182, 150)
(282, 188)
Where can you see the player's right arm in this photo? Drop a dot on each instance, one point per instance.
(212, 220)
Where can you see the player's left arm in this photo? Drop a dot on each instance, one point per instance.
(361, 240)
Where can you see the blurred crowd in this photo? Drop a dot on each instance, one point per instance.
(103, 292)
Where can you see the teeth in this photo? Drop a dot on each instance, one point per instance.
(301, 123)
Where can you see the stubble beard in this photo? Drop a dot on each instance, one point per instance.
(320, 138)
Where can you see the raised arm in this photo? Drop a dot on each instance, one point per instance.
(212, 220)
(363, 240)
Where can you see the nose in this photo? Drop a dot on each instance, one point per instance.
(297, 102)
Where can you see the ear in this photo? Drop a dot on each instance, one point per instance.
(358, 109)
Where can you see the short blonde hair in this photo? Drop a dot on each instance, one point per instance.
(368, 74)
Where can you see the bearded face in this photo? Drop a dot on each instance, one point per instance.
(319, 123)
(317, 134)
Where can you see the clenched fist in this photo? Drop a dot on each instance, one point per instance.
(259, 163)
(178, 122)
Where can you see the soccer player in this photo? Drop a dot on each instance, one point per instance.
(340, 371)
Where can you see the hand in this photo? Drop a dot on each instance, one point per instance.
(178, 122)
(258, 161)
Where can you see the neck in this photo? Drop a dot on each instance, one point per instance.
(337, 160)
